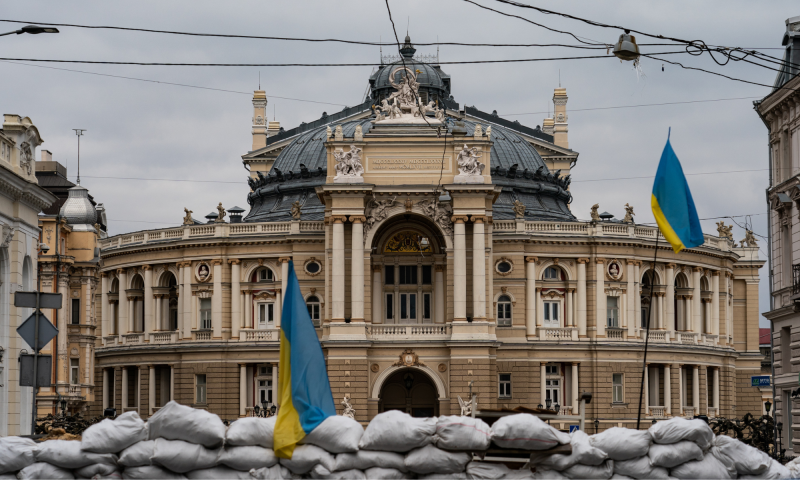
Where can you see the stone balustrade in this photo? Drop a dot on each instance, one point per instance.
(688, 412)
(657, 412)
(415, 331)
(565, 333)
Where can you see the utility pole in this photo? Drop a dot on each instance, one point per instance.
(79, 133)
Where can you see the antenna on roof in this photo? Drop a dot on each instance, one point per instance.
(381, 47)
(408, 22)
(559, 78)
(259, 79)
(437, 48)
(79, 133)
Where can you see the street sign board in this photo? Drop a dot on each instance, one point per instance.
(572, 428)
(43, 371)
(28, 299)
(760, 380)
(47, 331)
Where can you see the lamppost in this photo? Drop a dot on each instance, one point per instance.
(32, 29)
(768, 407)
(596, 425)
(779, 425)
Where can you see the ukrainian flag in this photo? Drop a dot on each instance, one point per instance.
(303, 388)
(672, 204)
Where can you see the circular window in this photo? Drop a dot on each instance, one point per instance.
(313, 267)
(504, 267)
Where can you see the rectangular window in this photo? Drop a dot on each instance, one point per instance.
(200, 388)
(504, 314)
(612, 310)
(389, 306)
(408, 306)
(74, 371)
(552, 370)
(389, 275)
(553, 392)
(76, 311)
(205, 313)
(786, 350)
(426, 274)
(264, 392)
(266, 315)
(313, 312)
(426, 307)
(616, 388)
(504, 385)
(551, 314)
(408, 275)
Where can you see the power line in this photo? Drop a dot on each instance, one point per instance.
(687, 174)
(636, 106)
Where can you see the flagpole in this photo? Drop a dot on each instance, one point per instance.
(647, 330)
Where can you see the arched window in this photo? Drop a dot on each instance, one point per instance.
(552, 273)
(263, 275)
(504, 311)
(137, 287)
(313, 305)
(113, 305)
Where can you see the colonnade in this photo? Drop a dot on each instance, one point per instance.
(110, 385)
(652, 394)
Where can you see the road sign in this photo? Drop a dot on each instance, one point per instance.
(28, 299)
(47, 331)
(42, 371)
(572, 428)
(760, 380)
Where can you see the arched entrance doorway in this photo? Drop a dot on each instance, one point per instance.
(410, 391)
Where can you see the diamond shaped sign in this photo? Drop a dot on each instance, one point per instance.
(47, 331)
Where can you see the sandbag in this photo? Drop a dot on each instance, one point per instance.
(366, 459)
(219, 472)
(547, 474)
(582, 452)
(181, 457)
(396, 431)
(622, 443)
(305, 457)
(639, 468)
(68, 454)
(147, 472)
(709, 467)
(602, 471)
(487, 470)
(174, 421)
(429, 459)
(275, 472)
(323, 473)
(113, 436)
(678, 428)
(462, 433)
(138, 454)
(774, 471)
(521, 474)
(794, 467)
(526, 432)
(672, 455)
(98, 469)
(378, 473)
(617, 476)
(39, 470)
(247, 457)
(443, 476)
(336, 434)
(747, 460)
(16, 453)
(252, 431)
(8, 476)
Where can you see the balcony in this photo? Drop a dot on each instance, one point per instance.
(250, 335)
(688, 338)
(201, 335)
(558, 334)
(133, 339)
(613, 333)
(110, 340)
(164, 337)
(688, 412)
(413, 331)
(657, 412)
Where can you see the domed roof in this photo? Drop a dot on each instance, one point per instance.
(433, 82)
(78, 210)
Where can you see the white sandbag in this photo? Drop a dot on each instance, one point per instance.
(336, 434)
(521, 474)
(487, 470)
(247, 457)
(396, 431)
(462, 433)
(378, 473)
(672, 455)
(622, 443)
(527, 432)
(321, 472)
(147, 472)
(181, 457)
(138, 454)
(429, 459)
(98, 469)
(275, 472)
(113, 436)
(174, 421)
(639, 468)
(8, 476)
(794, 467)
(773, 472)
(16, 453)
(602, 471)
(40, 470)
(443, 476)
(366, 459)
(252, 431)
(617, 476)
(678, 428)
(305, 457)
(747, 460)
(68, 454)
(582, 452)
(547, 474)
(709, 467)
(219, 472)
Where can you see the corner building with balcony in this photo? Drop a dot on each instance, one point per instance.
(426, 282)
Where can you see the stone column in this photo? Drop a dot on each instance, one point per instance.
(139, 389)
(539, 309)
(716, 389)
(696, 389)
(542, 379)
(530, 297)
(188, 300)
(243, 389)
(377, 296)
(105, 387)
(131, 314)
(278, 308)
(630, 304)
(600, 295)
(338, 281)
(667, 389)
(670, 298)
(147, 301)
(172, 382)
(236, 298)
(216, 300)
(124, 389)
(438, 293)
(62, 361)
(181, 293)
(681, 392)
(122, 304)
(158, 312)
(575, 394)
(660, 300)
(357, 268)
(689, 318)
(715, 303)
(569, 307)
(285, 266)
(460, 268)
(104, 307)
(151, 392)
(637, 295)
(697, 312)
(478, 268)
(647, 389)
(582, 296)
(275, 379)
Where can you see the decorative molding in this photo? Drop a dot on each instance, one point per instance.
(459, 219)
(531, 259)
(203, 272)
(358, 218)
(408, 359)
(234, 261)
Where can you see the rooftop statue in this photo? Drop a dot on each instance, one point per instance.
(628, 214)
(519, 209)
(405, 103)
(725, 231)
(296, 210)
(187, 219)
(594, 213)
(348, 166)
(470, 170)
(221, 215)
(749, 239)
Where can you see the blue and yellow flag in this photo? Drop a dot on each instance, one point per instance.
(672, 203)
(303, 387)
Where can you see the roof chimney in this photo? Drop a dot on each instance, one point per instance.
(259, 119)
(560, 117)
(47, 156)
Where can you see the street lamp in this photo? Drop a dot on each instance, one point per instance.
(63, 403)
(768, 406)
(256, 409)
(273, 409)
(779, 426)
(596, 425)
(557, 408)
(32, 29)
(547, 403)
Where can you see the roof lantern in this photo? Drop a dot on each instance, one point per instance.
(212, 217)
(78, 210)
(408, 49)
(235, 214)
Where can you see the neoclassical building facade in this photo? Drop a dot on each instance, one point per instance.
(438, 256)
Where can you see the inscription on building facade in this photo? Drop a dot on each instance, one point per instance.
(407, 164)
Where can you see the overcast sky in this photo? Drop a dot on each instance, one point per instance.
(157, 131)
